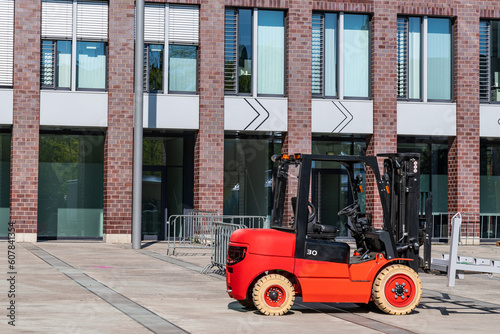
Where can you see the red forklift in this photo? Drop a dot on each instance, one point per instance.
(301, 256)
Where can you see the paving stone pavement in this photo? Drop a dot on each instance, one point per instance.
(94, 287)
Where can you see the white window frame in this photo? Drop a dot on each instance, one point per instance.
(165, 31)
(255, 80)
(424, 61)
(89, 23)
(339, 54)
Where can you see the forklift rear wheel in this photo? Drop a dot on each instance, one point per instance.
(397, 289)
(273, 294)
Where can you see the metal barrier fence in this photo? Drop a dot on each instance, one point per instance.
(248, 221)
(475, 227)
(190, 231)
(222, 233)
(197, 231)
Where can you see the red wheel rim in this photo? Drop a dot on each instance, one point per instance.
(400, 290)
(275, 296)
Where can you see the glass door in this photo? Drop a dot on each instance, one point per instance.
(153, 202)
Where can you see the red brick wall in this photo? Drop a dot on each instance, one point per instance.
(118, 156)
(384, 82)
(463, 157)
(25, 130)
(299, 31)
(209, 146)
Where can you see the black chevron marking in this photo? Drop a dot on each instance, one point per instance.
(352, 116)
(346, 116)
(253, 120)
(259, 115)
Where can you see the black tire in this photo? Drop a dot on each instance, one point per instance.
(397, 289)
(273, 295)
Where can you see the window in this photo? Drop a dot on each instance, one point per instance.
(490, 187)
(433, 70)
(74, 57)
(409, 50)
(489, 61)
(254, 32)
(5, 142)
(6, 42)
(70, 188)
(153, 72)
(182, 68)
(248, 172)
(340, 40)
(56, 64)
(439, 59)
(173, 42)
(324, 54)
(91, 65)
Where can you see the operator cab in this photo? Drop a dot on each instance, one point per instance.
(293, 210)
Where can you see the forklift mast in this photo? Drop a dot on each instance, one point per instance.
(402, 174)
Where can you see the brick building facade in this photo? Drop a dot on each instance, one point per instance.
(70, 139)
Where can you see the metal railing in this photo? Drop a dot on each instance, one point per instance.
(196, 231)
(222, 234)
(248, 221)
(475, 227)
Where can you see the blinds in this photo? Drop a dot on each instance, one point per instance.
(154, 23)
(317, 53)
(230, 51)
(6, 41)
(484, 61)
(183, 24)
(92, 20)
(57, 18)
(402, 56)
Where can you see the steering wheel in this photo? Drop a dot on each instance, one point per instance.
(349, 210)
(312, 212)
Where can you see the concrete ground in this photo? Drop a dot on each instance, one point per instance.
(91, 287)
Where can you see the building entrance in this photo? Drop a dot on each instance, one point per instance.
(154, 202)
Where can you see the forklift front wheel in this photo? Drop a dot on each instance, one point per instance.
(273, 294)
(397, 289)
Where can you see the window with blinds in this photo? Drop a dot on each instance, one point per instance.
(171, 31)
(154, 23)
(318, 52)
(324, 54)
(241, 48)
(489, 61)
(408, 58)
(92, 20)
(230, 51)
(402, 57)
(59, 18)
(6, 42)
(484, 61)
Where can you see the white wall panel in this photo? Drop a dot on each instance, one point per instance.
(171, 111)
(73, 108)
(6, 106)
(255, 114)
(490, 120)
(427, 119)
(335, 116)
